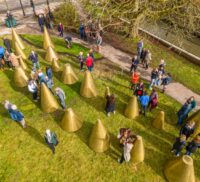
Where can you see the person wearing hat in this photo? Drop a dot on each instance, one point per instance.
(15, 114)
(61, 96)
(81, 60)
(51, 140)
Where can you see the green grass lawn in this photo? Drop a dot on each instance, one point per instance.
(37, 40)
(182, 70)
(25, 157)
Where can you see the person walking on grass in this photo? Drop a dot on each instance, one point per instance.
(34, 58)
(110, 104)
(179, 145)
(89, 62)
(153, 100)
(188, 129)
(15, 114)
(193, 145)
(81, 60)
(134, 65)
(33, 88)
(49, 84)
(61, 96)
(51, 140)
(60, 29)
(49, 73)
(144, 101)
(139, 90)
(134, 80)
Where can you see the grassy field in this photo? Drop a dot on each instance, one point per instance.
(182, 70)
(25, 157)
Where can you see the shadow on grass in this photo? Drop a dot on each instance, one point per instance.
(35, 135)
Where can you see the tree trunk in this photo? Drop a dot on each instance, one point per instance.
(6, 5)
(22, 7)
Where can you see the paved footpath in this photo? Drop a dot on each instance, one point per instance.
(176, 90)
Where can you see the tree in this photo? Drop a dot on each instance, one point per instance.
(181, 15)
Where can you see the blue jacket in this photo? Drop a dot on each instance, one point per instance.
(144, 100)
(2, 50)
(49, 73)
(15, 115)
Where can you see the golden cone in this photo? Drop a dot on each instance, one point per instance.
(137, 152)
(107, 92)
(71, 121)
(19, 52)
(20, 78)
(51, 55)
(159, 121)
(16, 38)
(48, 102)
(68, 75)
(55, 66)
(99, 140)
(180, 170)
(88, 88)
(132, 110)
(22, 64)
(47, 40)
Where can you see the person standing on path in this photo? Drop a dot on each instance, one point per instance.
(98, 41)
(51, 140)
(60, 29)
(61, 96)
(154, 76)
(134, 65)
(140, 46)
(41, 22)
(147, 60)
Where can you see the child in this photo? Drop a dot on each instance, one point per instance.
(178, 145)
(193, 145)
(81, 60)
(110, 104)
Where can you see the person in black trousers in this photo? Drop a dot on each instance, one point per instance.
(60, 29)
(179, 145)
(41, 22)
(7, 44)
(193, 145)
(188, 129)
(134, 65)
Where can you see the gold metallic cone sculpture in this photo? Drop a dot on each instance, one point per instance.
(137, 152)
(22, 64)
(68, 75)
(55, 66)
(16, 38)
(48, 102)
(19, 52)
(99, 140)
(159, 121)
(20, 78)
(132, 110)
(180, 170)
(71, 122)
(47, 40)
(88, 88)
(51, 55)
(107, 92)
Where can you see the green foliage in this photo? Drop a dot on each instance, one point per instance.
(25, 157)
(67, 15)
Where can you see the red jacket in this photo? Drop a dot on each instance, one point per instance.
(89, 61)
(135, 78)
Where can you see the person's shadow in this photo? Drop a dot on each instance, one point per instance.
(35, 135)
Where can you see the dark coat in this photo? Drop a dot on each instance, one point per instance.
(33, 58)
(179, 145)
(192, 146)
(110, 104)
(186, 130)
(7, 44)
(60, 28)
(41, 21)
(49, 73)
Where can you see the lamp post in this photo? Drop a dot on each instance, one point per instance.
(22, 7)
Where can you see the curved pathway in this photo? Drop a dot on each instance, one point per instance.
(176, 90)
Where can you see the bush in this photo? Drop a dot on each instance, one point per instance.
(67, 15)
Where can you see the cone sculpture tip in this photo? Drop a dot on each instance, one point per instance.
(132, 109)
(68, 76)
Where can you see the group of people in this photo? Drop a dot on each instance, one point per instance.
(8, 59)
(186, 131)
(46, 19)
(88, 60)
